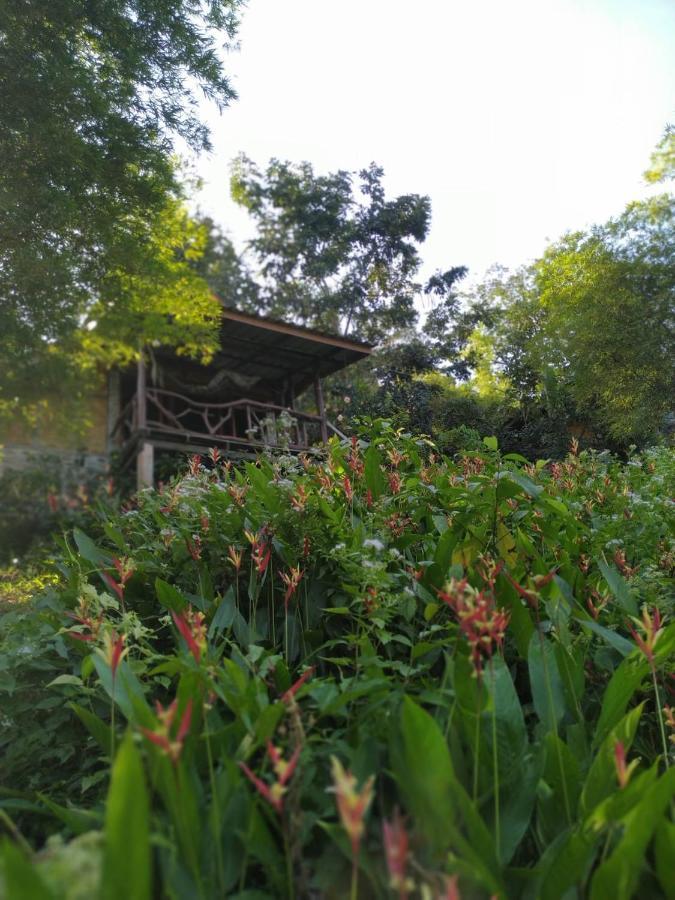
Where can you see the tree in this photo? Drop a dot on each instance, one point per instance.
(93, 95)
(225, 270)
(331, 257)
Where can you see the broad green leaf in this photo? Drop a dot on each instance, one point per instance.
(618, 586)
(491, 442)
(437, 801)
(127, 863)
(98, 729)
(546, 684)
(615, 640)
(22, 880)
(373, 471)
(88, 549)
(601, 779)
(224, 615)
(622, 685)
(169, 596)
(619, 875)
(664, 853)
(569, 864)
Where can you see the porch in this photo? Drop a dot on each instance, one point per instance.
(242, 403)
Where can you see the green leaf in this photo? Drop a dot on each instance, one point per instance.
(618, 586)
(625, 681)
(98, 729)
(88, 549)
(623, 646)
(224, 616)
(437, 801)
(530, 488)
(22, 881)
(373, 471)
(491, 442)
(601, 779)
(619, 875)
(169, 596)
(127, 865)
(546, 684)
(664, 853)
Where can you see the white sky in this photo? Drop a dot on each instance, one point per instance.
(519, 118)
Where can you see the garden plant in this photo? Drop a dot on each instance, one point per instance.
(370, 671)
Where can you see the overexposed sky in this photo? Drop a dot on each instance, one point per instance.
(521, 119)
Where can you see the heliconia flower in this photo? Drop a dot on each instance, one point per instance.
(670, 721)
(194, 546)
(291, 579)
(238, 493)
(295, 687)
(622, 565)
(394, 482)
(191, 626)
(369, 498)
(395, 839)
(214, 455)
(306, 546)
(623, 771)
(300, 498)
(93, 625)
(125, 569)
(352, 804)
(480, 620)
(113, 650)
(194, 464)
(52, 502)
(395, 457)
(283, 769)
(261, 558)
(161, 737)
(235, 557)
(451, 889)
(652, 626)
(347, 486)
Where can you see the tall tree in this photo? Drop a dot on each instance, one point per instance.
(93, 95)
(333, 251)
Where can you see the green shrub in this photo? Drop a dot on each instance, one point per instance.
(371, 672)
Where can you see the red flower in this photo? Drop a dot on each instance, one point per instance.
(651, 630)
(347, 485)
(291, 579)
(396, 850)
(481, 622)
(283, 769)
(352, 804)
(191, 627)
(295, 687)
(623, 771)
(161, 737)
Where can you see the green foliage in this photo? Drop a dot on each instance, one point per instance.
(209, 649)
(93, 97)
(330, 258)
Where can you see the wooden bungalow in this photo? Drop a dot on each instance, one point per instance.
(243, 401)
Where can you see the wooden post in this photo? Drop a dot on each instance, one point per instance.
(145, 466)
(318, 393)
(141, 394)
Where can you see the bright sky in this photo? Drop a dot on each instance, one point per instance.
(521, 119)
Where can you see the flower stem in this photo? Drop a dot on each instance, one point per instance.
(215, 814)
(659, 716)
(495, 760)
(354, 890)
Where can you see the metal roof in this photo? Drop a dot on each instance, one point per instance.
(273, 350)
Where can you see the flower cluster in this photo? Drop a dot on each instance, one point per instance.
(481, 622)
(171, 746)
(283, 769)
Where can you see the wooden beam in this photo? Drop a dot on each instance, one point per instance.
(306, 334)
(318, 393)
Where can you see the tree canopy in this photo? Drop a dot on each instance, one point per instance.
(93, 96)
(332, 250)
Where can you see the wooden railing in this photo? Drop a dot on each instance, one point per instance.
(246, 422)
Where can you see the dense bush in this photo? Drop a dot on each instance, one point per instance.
(372, 672)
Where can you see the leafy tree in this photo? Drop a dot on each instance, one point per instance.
(334, 253)
(93, 95)
(225, 270)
